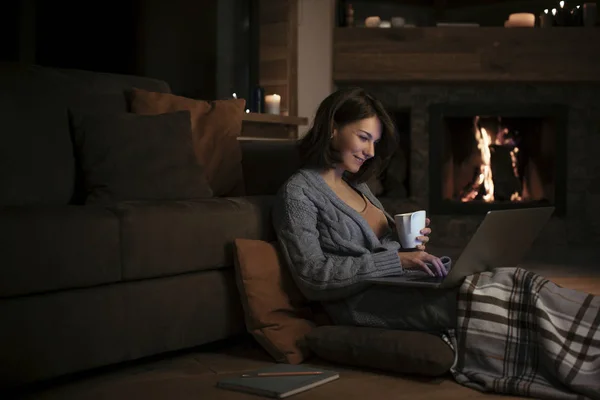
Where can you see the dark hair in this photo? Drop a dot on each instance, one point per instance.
(339, 109)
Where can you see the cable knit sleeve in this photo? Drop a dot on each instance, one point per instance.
(390, 238)
(320, 275)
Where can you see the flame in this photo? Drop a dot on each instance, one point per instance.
(513, 157)
(483, 144)
(485, 179)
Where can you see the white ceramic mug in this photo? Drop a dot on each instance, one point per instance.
(409, 226)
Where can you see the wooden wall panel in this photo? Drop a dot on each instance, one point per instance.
(275, 70)
(467, 54)
(278, 44)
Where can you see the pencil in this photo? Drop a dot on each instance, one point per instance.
(268, 374)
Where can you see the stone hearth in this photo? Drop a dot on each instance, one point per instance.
(580, 222)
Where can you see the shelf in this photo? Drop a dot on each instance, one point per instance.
(257, 126)
(485, 54)
(274, 119)
(443, 4)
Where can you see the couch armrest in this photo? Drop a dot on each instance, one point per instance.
(268, 164)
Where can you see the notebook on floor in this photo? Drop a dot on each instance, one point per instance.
(282, 386)
(501, 240)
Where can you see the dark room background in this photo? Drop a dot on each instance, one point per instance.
(202, 48)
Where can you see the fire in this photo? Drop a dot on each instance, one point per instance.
(484, 183)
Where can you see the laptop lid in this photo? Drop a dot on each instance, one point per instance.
(501, 240)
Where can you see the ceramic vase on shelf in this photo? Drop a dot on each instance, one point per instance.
(258, 100)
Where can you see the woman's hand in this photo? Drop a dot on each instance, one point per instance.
(425, 238)
(418, 260)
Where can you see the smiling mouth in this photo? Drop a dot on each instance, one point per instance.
(360, 160)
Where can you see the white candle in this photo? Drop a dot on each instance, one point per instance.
(520, 20)
(272, 103)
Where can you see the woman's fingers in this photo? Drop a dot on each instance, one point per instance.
(437, 265)
(423, 239)
(427, 221)
(443, 271)
(424, 267)
(425, 231)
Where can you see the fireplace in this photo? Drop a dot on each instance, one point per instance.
(486, 157)
(554, 126)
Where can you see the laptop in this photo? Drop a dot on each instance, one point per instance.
(501, 240)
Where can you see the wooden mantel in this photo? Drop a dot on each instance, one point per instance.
(274, 119)
(269, 126)
(451, 54)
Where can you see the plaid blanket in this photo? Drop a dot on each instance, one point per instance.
(520, 334)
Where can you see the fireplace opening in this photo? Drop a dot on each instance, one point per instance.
(510, 158)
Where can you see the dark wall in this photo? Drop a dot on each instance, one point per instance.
(89, 35)
(200, 47)
(172, 40)
(237, 47)
(177, 42)
(9, 31)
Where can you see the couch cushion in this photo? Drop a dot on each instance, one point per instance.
(408, 352)
(138, 157)
(215, 126)
(168, 238)
(50, 248)
(36, 157)
(276, 313)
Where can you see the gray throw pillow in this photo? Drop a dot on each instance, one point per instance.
(406, 352)
(137, 157)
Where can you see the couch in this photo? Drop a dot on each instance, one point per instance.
(84, 286)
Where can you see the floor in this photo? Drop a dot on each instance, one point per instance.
(193, 374)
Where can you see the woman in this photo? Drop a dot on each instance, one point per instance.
(516, 332)
(334, 233)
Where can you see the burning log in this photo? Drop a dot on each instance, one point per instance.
(506, 184)
(497, 177)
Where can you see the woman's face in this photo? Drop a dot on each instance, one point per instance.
(356, 142)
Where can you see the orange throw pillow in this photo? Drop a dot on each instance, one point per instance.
(215, 129)
(276, 313)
